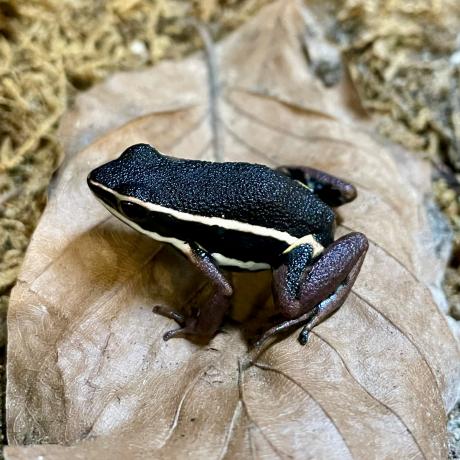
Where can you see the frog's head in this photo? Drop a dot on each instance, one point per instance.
(126, 181)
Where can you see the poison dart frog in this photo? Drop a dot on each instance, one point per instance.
(240, 216)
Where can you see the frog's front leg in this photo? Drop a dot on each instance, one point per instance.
(210, 316)
(330, 189)
(308, 295)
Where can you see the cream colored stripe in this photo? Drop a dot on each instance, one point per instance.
(218, 221)
(307, 239)
(181, 245)
(185, 247)
(249, 265)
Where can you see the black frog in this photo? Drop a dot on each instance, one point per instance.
(240, 216)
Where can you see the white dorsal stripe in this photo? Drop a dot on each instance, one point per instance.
(248, 265)
(179, 244)
(185, 247)
(307, 239)
(228, 224)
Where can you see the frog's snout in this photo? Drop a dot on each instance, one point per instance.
(100, 183)
(99, 175)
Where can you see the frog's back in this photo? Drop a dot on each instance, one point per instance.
(243, 192)
(244, 214)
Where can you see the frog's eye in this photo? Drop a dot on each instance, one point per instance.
(133, 211)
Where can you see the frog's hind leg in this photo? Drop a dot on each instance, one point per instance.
(320, 290)
(330, 189)
(210, 316)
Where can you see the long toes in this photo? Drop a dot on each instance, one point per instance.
(261, 341)
(267, 334)
(303, 336)
(183, 332)
(172, 314)
(174, 333)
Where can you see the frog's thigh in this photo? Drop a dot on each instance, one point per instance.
(287, 279)
(322, 288)
(330, 189)
(332, 278)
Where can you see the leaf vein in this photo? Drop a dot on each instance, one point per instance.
(369, 393)
(248, 415)
(266, 367)
(404, 334)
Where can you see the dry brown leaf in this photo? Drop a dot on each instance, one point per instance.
(87, 366)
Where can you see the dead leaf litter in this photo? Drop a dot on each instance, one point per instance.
(49, 50)
(99, 339)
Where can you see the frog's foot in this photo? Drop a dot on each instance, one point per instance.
(186, 330)
(330, 189)
(327, 307)
(188, 324)
(322, 290)
(203, 322)
(171, 314)
(282, 327)
(168, 313)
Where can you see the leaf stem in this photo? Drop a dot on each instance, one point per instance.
(214, 88)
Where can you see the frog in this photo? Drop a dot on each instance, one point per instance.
(238, 216)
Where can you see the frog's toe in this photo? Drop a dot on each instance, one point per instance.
(174, 333)
(169, 313)
(283, 327)
(303, 336)
(189, 330)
